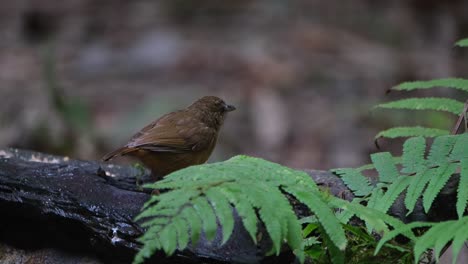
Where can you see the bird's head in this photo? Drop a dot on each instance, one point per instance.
(212, 109)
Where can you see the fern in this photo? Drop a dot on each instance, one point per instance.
(426, 103)
(437, 237)
(462, 191)
(414, 173)
(355, 181)
(462, 43)
(457, 83)
(429, 103)
(200, 196)
(397, 132)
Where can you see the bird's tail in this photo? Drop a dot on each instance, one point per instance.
(118, 152)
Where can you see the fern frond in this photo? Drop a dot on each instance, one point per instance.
(439, 235)
(427, 103)
(200, 197)
(323, 212)
(440, 150)
(402, 230)
(394, 190)
(384, 165)
(436, 184)
(460, 238)
(413, 155)
(396, 132)
(355, 181)
(462, 191)
(244, 208)
(224, 211)
(416, 187)
(460, 149)
(462, 43)
(205, 211)
(375, 219)
(457, 83)
(337, 255)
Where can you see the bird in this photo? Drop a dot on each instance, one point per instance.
(178, 139)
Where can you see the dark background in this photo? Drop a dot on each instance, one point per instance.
(79, 77)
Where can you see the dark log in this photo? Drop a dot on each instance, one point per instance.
(88, 207)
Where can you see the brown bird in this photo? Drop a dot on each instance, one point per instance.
(178, 139)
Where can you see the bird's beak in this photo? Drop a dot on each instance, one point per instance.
(229, 108)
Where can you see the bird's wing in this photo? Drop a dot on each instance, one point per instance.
(174, 132)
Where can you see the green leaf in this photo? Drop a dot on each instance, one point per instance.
(427, 103)
(438, 235)
(394, 190)
(413, 155)
(461, 236)
(205, 211)
(415, 131)
(416, 187)
(195, 223)
(404, 229)
(462, 191)
(457, 83)
(244, 209)
(374, 218)
(437, 184)
(355, 181)
(168, 239)
(336, 254)
(182, 229)
(325, 215)
(441, 149)
(224, 211)
(384, 165)
(460, 150)
(462, 43)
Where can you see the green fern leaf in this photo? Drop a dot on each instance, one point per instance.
(437, 184)
(337, 255)
(182, 230)
(462, 191)
(270, 211)
(413, 155)
(441, 149)
(394, 190)
(375, 197)
(444, 238)
(384, 165)
(461, 236)
(438, 235)
(402, 230)
(416, 131)
(205, 211)
(355, 181)
(417, 185)
(427, 103)
(325, 215)
(149, 248)
(460, 150)
(168, 238)
(457, 83)
(244, 208)
(462, 43)
(373, 218)
(195, 223)
(224, 211)
(295, 241)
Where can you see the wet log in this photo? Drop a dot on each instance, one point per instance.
(88, 207)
